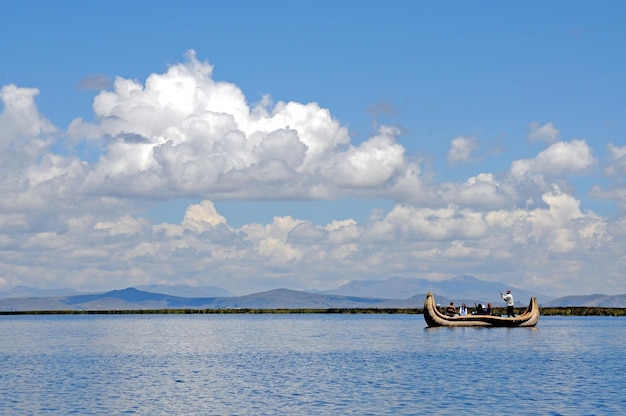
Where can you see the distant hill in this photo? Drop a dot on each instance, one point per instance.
(134, 299)
(602, 301)
(174, 290)
(460, 289)
(187, 291)
(26, 292)
(395, 292)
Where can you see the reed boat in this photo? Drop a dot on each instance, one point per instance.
(434, 318)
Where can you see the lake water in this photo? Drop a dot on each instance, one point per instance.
(307, 365)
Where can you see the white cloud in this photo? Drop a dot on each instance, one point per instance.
(480, 191)
(25, 135)
(546, 133)
(559, 159)
(193, 136)
(440, 224)
(459, 250)
(461, 149)
(126, 225)
(617, 152)
(129, 251)
(615, 170)
(20, 119)
(271, 240)
(372, 164)
(200, 216)
(617, 166)
(616, 193)
(560, 227)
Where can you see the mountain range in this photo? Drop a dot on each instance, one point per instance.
(395, 292)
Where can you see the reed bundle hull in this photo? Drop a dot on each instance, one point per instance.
(434, 318)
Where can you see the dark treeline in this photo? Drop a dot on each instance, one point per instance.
(251, 311)
(551, 311)
(583, 311)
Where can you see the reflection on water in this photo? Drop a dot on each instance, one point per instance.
(307, 364)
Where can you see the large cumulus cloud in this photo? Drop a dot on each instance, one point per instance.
(185, 134)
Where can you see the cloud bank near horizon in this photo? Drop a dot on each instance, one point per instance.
(74, 198)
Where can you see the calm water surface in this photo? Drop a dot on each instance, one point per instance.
(307, 365)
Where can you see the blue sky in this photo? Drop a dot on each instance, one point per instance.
(255, 145)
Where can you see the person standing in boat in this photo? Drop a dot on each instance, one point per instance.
(508, 298)
(463, 310)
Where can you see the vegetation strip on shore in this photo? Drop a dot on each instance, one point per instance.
(552, 311)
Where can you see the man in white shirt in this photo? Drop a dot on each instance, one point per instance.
(508, 298)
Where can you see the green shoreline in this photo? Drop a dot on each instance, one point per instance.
(551, 311)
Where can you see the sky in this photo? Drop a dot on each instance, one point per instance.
(260, 145)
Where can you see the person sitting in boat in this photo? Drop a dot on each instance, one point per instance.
(463, 310)
(451, 310)
(489, 310)
(480, 309)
